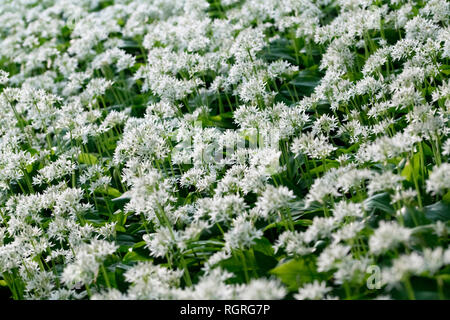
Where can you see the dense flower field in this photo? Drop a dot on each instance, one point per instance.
(224, 149)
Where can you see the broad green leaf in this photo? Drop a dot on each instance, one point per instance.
(380, 201)
(413, 217)
(120, 228)
(446, 197)
(122, 197)
(132, 256)
(125, 241)
(294, 273)
(87, 158)
(263, 245)
(263, 263)
(445, 69)
(110, 191)
(410, 170)
(323, 168)
(347, 150)
(305, 82)
(444, 277)
(439, 211)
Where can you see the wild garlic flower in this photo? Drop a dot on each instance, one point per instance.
(242, 235)
(387, 236)
(88, 259)
(439, 179)
(313, 291)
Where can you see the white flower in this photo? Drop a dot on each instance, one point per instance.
(330, 255)
(387, 236)
(3, 77)
(161, 242)
(88, 259)
(439, 179)
(242, 235)
(313, 291)
(272, 200)
(316, 147)
(261, 289)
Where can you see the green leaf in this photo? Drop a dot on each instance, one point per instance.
(306, 81)
(29, 168)
(3, 283)
(410, 170)
(122, 198)
(263, 245)
(263, 263)
(322, 168)
(203, 247)
(125, 241)
(139, 244)
(439, 211)
(306, 78)
(258, 263)
(110, 191)
(444, 277)
(87, 158)
(301, 222)
(446, 197)
(412, 216)
(380, 201)
(133, 256)
(295, 273)
(120, 228)
(348, 150)
(279, 49)
(445, 69)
